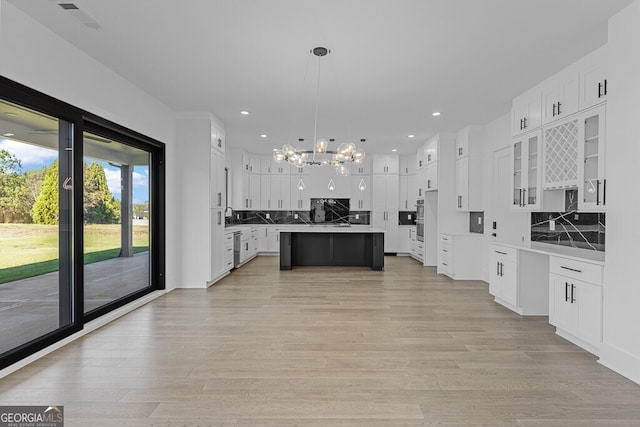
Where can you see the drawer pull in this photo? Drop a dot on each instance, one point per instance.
(501, 253)
(444, 250)
(571, 269)
(445, 264)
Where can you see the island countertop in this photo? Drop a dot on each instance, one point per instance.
(329, 229)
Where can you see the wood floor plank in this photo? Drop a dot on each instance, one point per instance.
(327, 346)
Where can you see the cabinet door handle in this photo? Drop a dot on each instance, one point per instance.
(406, 204)
(573, 287)
(501, 253)
(444, 250)
(597, 192)
(559, 104)
(498, 269)
(566, 291)
(554, 110)
(524, 197)
(219, 199)
(428, 183)
(520, 124)
(605, 87)
(524, 122)
(600, 86)
(445, 264)
(219, 218)
(604, 190)
(501, 269)
(571, 269)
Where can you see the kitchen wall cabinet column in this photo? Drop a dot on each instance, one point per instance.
(385, 199)
(469, 169)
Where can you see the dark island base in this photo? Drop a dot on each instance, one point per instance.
(331, 249)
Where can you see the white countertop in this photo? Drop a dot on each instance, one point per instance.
(329, 229)
(595, 257)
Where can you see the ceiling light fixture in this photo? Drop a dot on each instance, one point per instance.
(340, 158)
(411, 136)
(435, 113)
(263, 136)
(244, 112)
(394, 150)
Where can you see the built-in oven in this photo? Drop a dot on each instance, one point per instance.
(420, 220)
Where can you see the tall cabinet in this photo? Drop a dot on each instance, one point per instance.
(385, 199)
(203, 200)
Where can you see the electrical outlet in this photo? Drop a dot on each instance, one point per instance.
(479, 220)
(552, 225)
(357, 216)
(295, 216)
(268, 216)
(237, 216)
(409, 217)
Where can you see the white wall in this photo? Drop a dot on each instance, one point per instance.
(621, 349)
(36, 57)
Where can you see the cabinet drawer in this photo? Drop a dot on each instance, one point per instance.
(445, 239)
(505, 253)
(579, 270)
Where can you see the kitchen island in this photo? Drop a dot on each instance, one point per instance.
(323, 245)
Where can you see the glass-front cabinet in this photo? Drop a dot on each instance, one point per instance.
(526, 172)
(592, 192)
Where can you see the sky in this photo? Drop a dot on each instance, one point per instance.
(35, 157)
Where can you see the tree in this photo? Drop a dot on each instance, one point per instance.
(100, 207)
(12, 189)
(45, 208)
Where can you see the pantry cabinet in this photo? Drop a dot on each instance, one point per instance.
(469, 169)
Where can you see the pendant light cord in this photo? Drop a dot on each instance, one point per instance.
(315, 124)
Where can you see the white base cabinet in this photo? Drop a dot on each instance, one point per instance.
(460, 256)
(575, 302)
(519, 286)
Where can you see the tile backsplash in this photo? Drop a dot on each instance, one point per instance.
(287, 217)
(574, 229)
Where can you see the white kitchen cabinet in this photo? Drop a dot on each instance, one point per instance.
(460, 256)
(593, 78)
(253, 197)
(388, 221)
(469, 169)
(404, 240)
(431, 177)
(592, 192)
(386, 164)
(217, 243)
(575, 301)
(251, 163)
(263, 238)
(360, 193)
(527, 164)
(279, 193)
(526, 111)
(300, 199)
(217, 182)
(385, 195)
(273, 240)
(228, 251)
(420, 158)
(560, 151)
(518, 279)
(407, 165)
(561, 95)
(362, 168)
(408, 192)
(503, 274)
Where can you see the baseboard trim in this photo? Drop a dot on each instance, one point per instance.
(620, 361)
(88, 328)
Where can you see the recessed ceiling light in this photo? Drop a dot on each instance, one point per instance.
(411, 136)
(394, 150)
(435, 113)
(244, 112)
(263, 136)
(8, 134)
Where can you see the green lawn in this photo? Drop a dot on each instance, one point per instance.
(28, 250)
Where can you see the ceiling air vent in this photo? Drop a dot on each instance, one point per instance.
(79, 15)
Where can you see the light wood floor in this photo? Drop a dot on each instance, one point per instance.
(323, 347)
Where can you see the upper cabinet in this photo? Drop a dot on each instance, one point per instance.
(386, 164)
(593, 78)
(408, 165)
(560, 95)
(578, 87)
(363, 168)
(526, 111)
(469, 162)
(526, 163)
(592, 191)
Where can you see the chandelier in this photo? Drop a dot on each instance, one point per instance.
(321, 155)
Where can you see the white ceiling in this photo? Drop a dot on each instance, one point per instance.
(392, 62)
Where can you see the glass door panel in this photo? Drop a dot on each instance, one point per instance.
(591, 159)
(532, 163)
(116, 220)
(35, 229)
(517, 174)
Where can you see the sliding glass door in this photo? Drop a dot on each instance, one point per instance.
(81, 219)
(116, 214)
(36, 182)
